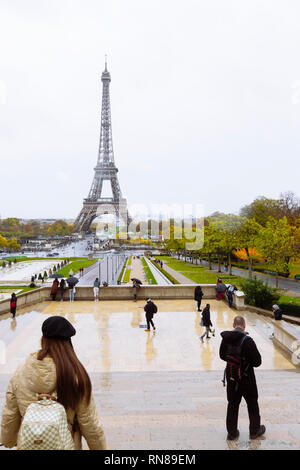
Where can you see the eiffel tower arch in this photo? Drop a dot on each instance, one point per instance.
(95, 204)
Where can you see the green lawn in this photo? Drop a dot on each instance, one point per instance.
(21, 288)
(150, 278)
(286, 299)
(75, 266)
(198, 274)
(127, 274)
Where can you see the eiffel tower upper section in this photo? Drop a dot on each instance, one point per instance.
(95, 205)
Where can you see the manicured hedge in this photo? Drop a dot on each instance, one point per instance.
(290, 309)
(165, 273)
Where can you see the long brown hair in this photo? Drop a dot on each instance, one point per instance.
(73, 383)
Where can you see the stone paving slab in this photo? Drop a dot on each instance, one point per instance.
(164, 392)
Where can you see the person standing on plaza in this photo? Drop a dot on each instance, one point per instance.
(240, 353)
(54, 288)
(96, 289)
(277, 312)
(198, 294)
(206, 322)
(54, 370)
(62, 286)
(150, 309)
(220, 289)
(13, 304)
(72, 281)
(229, 292)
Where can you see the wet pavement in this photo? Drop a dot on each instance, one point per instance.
(163, 390)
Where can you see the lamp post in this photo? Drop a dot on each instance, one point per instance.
(99, 262)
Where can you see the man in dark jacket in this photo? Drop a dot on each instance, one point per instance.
(198, 294)
(277, 312)
(206, 322)
(150, 308)
(246, 387)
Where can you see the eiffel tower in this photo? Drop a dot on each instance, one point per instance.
(95, 205)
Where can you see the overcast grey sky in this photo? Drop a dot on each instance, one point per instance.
(205, 99)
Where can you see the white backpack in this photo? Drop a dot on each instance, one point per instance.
(45, 426)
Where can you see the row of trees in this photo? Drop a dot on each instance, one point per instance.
(276, 237)
(9, 244)
(14, 227)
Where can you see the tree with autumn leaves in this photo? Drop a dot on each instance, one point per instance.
(268, 227)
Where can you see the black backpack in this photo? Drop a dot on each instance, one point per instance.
(235, 366)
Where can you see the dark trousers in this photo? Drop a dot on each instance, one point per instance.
(149, 322)
(54, 296)
(198, 304)
(248, 390)
(230, 298)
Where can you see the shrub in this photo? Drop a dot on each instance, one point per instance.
(40, 276)
(258, 293)
(290, 309)
(45, 274)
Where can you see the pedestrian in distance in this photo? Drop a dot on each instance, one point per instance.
(206, 322)
(220, 289)
(277, 311)
(62, 286)
(13, 304)
(54, 288)
(72, 281)
(135, 288)
(198, 294)
(54, 371)
(96, 289)
(241, 355)
(150, 309)
(229, 293)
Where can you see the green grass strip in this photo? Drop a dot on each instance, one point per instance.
(75, 266)
(150, 278)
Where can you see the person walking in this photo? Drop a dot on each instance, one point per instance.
(96, 289)
(54, 370)
(241, 354)
(198, 294)
(62, 286)
(206, 322)
(150, 309)
(54, 288)
(13, 304)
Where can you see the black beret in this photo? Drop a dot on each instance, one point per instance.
(57, 327)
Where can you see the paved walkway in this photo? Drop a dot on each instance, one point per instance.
(159, 277)
(163, 390)
(137, 270)
(177, 275)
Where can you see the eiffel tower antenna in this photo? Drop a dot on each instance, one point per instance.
(95, 204)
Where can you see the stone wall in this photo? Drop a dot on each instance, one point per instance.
(178, 291)
(287, 337)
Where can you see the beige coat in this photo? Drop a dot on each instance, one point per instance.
(36, 377)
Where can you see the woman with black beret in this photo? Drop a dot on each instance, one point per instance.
(54, 370)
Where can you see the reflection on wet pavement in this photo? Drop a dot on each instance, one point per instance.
(162, 390)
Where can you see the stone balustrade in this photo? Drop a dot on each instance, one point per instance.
(287, 337)
(177, 291)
